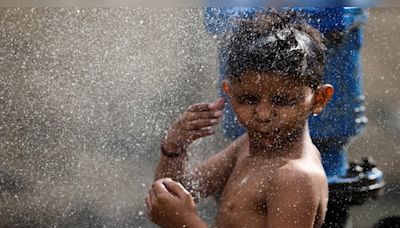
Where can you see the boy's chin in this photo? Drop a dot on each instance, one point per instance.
(272, 137)
(264, 135)
(266, 140)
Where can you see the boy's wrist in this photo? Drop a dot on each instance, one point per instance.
(172, 152)
(195, 221)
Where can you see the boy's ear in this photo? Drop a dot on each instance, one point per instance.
(227, 88)
(322, 95)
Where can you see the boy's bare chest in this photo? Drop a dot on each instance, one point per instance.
(243, 202)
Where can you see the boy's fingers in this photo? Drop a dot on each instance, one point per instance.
(199, 124)
(202, 133)
(199, 107)
(190, 116)
(176, 188)
(218, 104)
(152, 196)
(159, 188)
(149, 214)
(148, 203)
(148, 210)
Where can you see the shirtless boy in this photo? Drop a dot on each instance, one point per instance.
(272, 175)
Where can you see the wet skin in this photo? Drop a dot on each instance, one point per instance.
(271, 108)
(266, 191)
(270, 177)
(273, 155)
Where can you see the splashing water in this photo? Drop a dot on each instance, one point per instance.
(86, 95)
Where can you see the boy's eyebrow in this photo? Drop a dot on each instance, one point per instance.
(246, 95)
(289, 93)
(290, 97)
(247, 91)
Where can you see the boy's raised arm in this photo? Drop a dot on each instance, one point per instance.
(195, 123)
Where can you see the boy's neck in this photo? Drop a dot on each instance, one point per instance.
(288, 147)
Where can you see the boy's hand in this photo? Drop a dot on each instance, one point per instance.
(194, 123)
(169, 204)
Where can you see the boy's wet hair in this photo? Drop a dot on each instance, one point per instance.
(276, 42)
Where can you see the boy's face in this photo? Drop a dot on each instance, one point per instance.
(270, 106)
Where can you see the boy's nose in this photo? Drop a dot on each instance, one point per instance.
(264, 112)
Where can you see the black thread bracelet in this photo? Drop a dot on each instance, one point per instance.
(170, 155)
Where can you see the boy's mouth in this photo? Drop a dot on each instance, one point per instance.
(267, 132)
(263, 134)
(264, 129)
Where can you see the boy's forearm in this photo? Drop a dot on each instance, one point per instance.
(191, 222)
(197, 223)
(171, 166)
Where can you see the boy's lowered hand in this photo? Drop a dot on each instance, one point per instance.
(169, 204)
(193, 123)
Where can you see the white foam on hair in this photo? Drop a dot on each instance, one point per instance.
(304, 43)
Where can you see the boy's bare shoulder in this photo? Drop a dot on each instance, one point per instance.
(298, 195)
(238, 146)
(305, 176)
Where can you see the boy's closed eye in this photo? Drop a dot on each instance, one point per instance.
(275, 100)
(248, 99)
(285, 100)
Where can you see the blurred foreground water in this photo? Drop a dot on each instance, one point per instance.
(86, 95)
